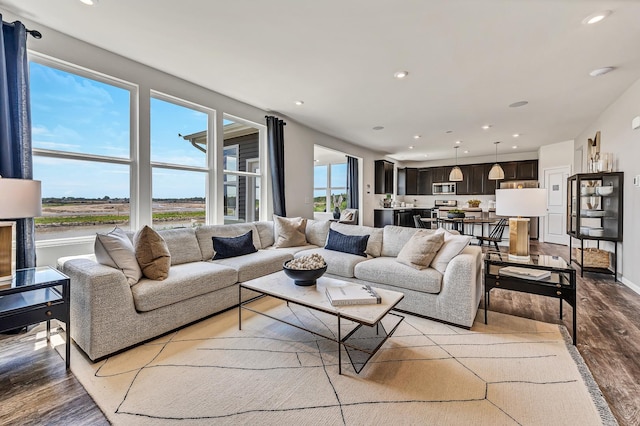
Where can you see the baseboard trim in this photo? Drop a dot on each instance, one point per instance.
(629, 284)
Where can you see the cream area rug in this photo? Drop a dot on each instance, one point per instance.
(513, 371)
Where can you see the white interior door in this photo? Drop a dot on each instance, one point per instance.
(555, 222)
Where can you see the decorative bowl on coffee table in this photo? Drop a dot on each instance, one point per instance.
(303, 277)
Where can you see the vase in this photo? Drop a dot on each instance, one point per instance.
(336, 213)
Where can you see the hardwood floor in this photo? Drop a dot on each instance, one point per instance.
(36, 389)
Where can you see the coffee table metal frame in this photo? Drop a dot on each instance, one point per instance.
(339, 311)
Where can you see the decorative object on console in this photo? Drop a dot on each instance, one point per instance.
(456, 173)
(455, 214)
(21, 198)
(523, 203)
(474, 203)
(305, 270)
(496, 172)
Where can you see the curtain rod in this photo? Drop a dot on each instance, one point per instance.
(34, 33)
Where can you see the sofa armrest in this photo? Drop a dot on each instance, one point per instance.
(462, 285)
(100, 297)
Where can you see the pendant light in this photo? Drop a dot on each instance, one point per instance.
(496, 172)
(456, 172)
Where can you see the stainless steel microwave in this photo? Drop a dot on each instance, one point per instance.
(444, 188)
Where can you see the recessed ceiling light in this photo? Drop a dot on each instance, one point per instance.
(515, 147)
(426, 155)
(486, 127)
(601, 71)
(411, 147)
(596, 17)
(378, 128)
(401, 74)
(518, 104)
(466, 151)
(299, 103)
(458, 142)
(90, 2)
(417, 137)
(516, 135)
(317, 161)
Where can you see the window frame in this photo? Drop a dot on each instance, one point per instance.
(131, 161)
(329, 189)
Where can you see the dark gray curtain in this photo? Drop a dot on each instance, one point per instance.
(15, 127)
(275, 140)
(352, 183)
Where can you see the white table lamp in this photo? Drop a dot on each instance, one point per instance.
(20, 198)
(522, 203)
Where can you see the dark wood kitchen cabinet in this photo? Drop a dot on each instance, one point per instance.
(412, 181)
(510, 170)
(527, 170)
(383, 177)
(425, 182)
(408, 181)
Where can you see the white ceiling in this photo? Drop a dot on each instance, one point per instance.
(467, 61)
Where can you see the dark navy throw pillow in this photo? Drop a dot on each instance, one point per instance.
(226, 247)
(354, 244)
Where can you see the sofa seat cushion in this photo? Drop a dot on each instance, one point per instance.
(184, 281)
(386, 270)
(292, 250)
(255, 265)
(338, 263)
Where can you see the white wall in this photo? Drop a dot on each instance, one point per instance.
(299, 140)
(618, 138)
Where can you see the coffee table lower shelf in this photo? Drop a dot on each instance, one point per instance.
(373, 335)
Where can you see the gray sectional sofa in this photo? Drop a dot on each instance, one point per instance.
(108, 315)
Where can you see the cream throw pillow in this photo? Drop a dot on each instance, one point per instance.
(453, 246)
(289, 232)
(421, 248)
(152, 254)
(115, 249)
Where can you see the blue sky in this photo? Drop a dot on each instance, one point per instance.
(76, 114)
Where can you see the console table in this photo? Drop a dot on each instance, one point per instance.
(561, 283)
(35, 295)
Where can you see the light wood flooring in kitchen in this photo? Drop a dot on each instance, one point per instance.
(36, 389)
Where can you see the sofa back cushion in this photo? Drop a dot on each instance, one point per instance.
(265, 231)
(317, 231)
(182, 244)
(395, 237)
(374, 245)
(205, 235)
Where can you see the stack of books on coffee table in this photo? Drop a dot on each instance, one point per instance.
(352, 295)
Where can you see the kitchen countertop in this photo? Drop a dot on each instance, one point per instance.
(403, 208)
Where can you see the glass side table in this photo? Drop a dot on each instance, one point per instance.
(35, 295)
(543, 275)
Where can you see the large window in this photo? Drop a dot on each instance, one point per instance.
(81, 140)
(96, 174)
(241, 163)
(179, 162)
(330, 187)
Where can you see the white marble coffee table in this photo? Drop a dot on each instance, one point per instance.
(367, 317)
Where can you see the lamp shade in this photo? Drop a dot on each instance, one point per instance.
(20, 198)
(456, 174)
(525, 202)
(496, 172)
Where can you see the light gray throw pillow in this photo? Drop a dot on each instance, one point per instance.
(116, 250)
(453, 246)
(421, 248)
